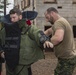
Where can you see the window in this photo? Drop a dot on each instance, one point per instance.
(74, 30)
(26, 3)
(17, 6)
(50, 1)
(22, 5)
(74, 1)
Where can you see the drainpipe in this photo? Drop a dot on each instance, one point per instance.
(4, 7)
(33, 7)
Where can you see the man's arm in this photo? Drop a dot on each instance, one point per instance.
(3, 71)
(45, 40)
(48, 32)
(39, 36)
(57, 37)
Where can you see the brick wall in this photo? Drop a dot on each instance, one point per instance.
(65, 7)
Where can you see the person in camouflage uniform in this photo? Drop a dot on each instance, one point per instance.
(29, 47)
(63, 41)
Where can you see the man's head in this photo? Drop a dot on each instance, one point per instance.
(15, 15)
(51, 14)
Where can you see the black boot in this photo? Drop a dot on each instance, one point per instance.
(29, 71)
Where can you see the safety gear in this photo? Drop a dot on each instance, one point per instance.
(12, 45)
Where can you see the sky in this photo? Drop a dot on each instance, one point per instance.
(10, 6)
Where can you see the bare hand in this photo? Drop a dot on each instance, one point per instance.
(2, 55)
(48, 44)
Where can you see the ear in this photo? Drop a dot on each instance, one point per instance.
(52, 13)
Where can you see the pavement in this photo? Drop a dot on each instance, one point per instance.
(46, 66)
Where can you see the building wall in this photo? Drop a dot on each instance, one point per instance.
(18, 2)
(65, 7)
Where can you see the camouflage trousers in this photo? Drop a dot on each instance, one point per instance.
(65, 66)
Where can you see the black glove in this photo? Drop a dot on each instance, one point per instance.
(43, 37)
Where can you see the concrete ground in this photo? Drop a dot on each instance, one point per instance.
(46, 66)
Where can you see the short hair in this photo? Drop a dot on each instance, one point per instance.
(15, 10)
(52, 9)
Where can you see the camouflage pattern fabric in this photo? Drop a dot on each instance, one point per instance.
(65, 66)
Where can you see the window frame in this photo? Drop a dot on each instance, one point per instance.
(74, 1)
(26, 3)
(50, 1)
(22, 4)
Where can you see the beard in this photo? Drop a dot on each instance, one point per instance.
(51, 20)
